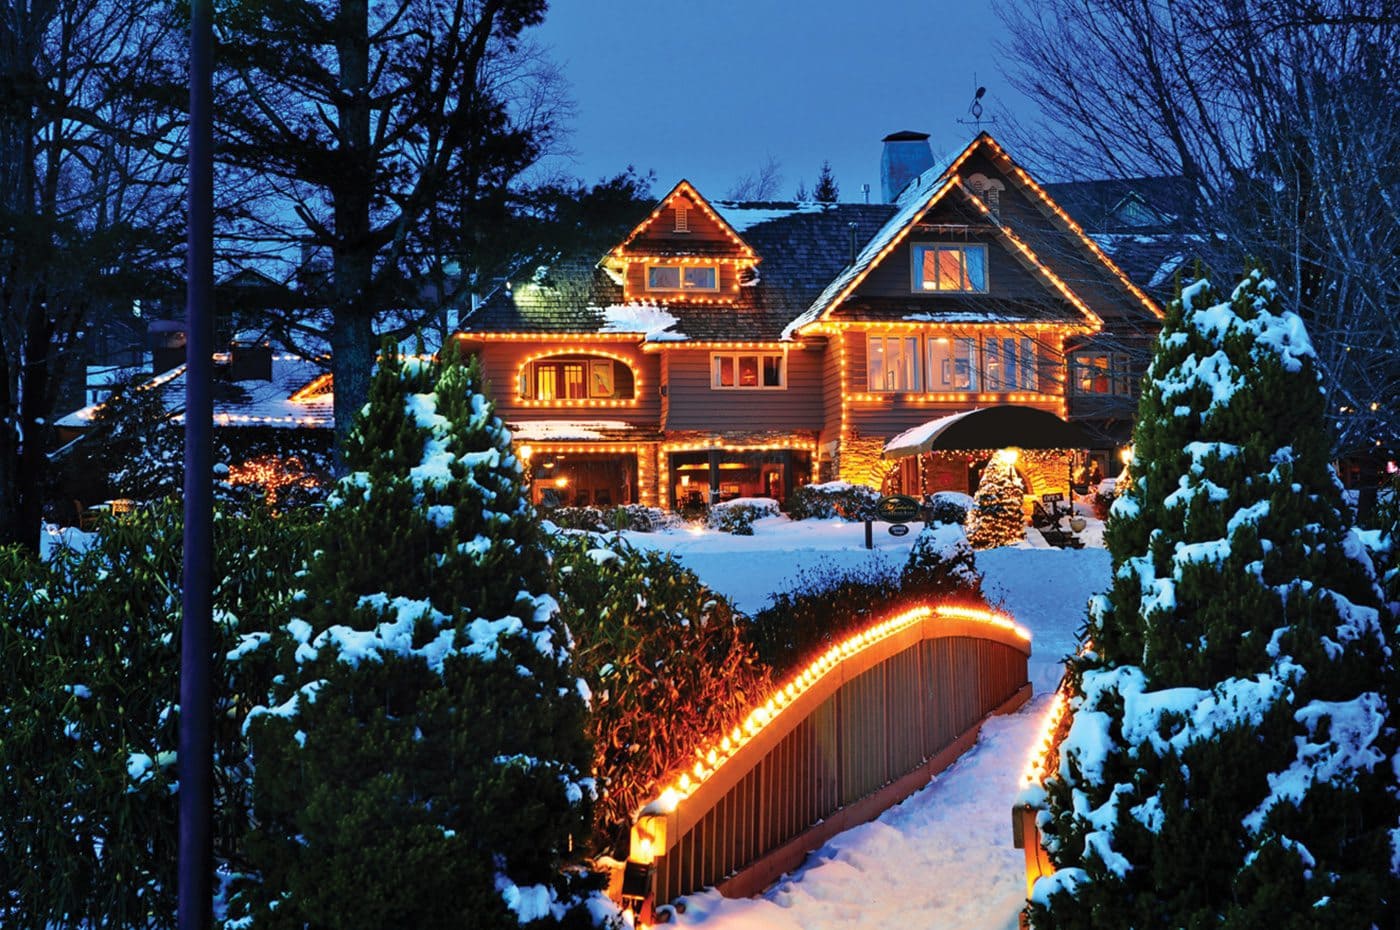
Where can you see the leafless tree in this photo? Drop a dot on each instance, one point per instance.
(89, 203)
(761, 184)
(1282, 116)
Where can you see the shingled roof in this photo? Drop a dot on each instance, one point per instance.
(803, 246)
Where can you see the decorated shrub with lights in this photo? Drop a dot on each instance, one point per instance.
(996, 518)
(1230, 757)
(423, 762)
(664, 658)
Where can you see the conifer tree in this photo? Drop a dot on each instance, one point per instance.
(996, 518)
(1231, 757)
(424, 763)
(826, 190)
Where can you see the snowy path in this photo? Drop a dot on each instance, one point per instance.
(942, 860)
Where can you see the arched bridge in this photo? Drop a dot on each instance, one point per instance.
(857, 731)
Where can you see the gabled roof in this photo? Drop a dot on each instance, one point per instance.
(803, 246)
(686, 189)
(242, 403)
(927, 190)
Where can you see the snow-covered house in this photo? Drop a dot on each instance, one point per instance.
(736, 349)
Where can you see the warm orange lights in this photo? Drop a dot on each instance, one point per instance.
(317, 389)
(714, 753)
(522, 370)
(1035, 772)
(687, 190)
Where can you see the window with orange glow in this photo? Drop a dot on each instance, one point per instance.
(574, 378)
(747, 370)
(950, 268)
(684, 278)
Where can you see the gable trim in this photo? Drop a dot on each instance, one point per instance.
(688, 189)
(1078, 231)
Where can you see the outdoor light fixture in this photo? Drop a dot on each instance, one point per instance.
(561, 482)
(1126, 455)
(527, 452)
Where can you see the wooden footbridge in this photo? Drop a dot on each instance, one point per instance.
(857, 731)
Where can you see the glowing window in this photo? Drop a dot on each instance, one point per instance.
(950, 268)
(747, 370)
(893, 363)
(684, 278)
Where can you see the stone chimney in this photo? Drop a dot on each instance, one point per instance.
(906, 155)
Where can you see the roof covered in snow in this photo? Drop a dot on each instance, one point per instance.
(243, 404)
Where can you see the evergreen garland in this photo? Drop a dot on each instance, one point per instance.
(1231, 757)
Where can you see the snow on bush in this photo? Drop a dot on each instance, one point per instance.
(1231, 757)
(423, 759)
(831, 499)
(737, 516)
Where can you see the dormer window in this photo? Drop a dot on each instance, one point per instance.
(685, 278)
(682, 217)
(947, 268)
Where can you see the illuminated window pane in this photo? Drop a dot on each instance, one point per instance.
(956, 268)
(700, 279)
(965, 364)
(575, 387)
(724, 371)
(547, 382)
(748, 371)
(664, 278)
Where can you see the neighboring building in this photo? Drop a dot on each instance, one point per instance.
(740, 349)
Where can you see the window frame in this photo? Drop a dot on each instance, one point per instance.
(1117, 374)
(734, 360)
(916, 250)
(681, 268)
(919, 380)
(557, 369)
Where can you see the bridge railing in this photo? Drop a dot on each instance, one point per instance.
(856, 731)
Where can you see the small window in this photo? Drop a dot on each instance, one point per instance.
(747, 370)
(950, 268)
(952, 363)
(684, 278)
(1102, 374)
(576, 378)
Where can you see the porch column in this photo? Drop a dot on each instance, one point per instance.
(714, 476)
(785, 459)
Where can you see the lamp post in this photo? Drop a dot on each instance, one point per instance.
(196, 859)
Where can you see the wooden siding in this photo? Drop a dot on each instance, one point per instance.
(500, 362)
(693, 404)
(663, 229)
(831, 388)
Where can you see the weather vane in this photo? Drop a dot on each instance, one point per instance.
(975, 109)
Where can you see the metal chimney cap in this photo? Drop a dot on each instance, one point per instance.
(906, 135)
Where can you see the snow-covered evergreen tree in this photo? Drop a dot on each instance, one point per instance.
(996, 518)
(424, 764)
(1231, 757)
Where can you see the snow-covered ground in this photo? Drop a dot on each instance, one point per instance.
(943, 859)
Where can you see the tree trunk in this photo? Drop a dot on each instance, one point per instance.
(352, 333)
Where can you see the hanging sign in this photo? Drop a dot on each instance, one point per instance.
(899, 529)
(897, 508)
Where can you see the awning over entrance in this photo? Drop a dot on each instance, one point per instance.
(989, 428)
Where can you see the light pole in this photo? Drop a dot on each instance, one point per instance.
(196, 865)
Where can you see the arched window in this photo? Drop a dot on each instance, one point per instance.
(576, 376)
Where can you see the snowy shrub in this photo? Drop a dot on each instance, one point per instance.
(422, 762)
(832, 499)
(131, 450)
(632, 517)
(996, 518)
(666, 663)
(88, 710)
(1231, 756)
(828, 602)
(948, 507)
(738, 516)
(942, 564)
(1104, 496)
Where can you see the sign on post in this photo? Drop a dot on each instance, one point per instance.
(898, 508)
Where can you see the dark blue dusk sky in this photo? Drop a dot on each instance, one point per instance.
(708, 89)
